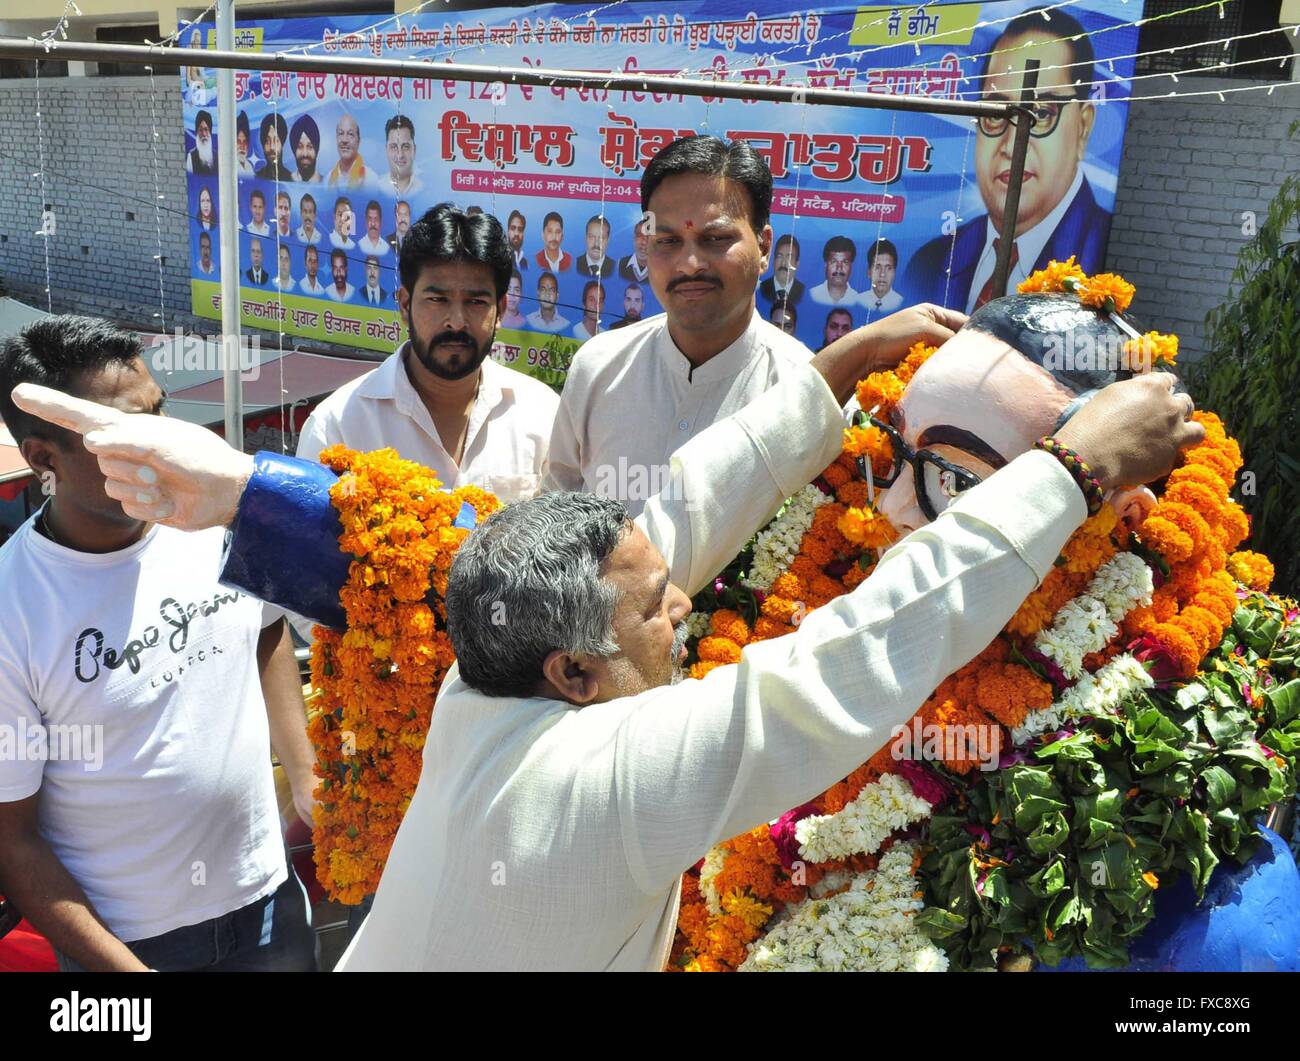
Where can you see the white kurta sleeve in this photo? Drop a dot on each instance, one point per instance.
(701, 761)
(564, 456)
(313, 438)
(731, 478)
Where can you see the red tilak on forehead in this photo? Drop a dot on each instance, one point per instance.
(690, 223)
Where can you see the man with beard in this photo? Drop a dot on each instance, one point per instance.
(309, 285)
(201, 160)
(547, 317)
(273, 135)
(633, 305)
(244, 167)
(340, 290)
(515, 227)
(304, 141)
(440, 399)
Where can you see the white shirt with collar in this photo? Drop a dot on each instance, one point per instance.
(596, 811)
(888, 304)
(310, 286)
(313, 239)
(378, 247)
(333, 292)
(505, 447)
(631, 399)
(821, 294)
(258, 230)
(1030, 244)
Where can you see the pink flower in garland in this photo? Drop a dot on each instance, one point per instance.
(925, 783)
(1160, 663)
(782, 833)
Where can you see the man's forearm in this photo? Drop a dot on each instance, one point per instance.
(285, 715)
(32, 876)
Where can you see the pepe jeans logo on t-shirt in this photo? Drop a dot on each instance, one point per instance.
(90, 656)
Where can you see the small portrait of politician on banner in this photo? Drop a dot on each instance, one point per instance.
(838, 256)
(593, 305)
(273, 136)
(310, 284)
(257, 225)
(304, 142)
(595, 262)
(283, 214)
(516, 226)
(373, 243)
(207, 266)
(340, 290)
(202, 159)
(399, 145)
(256, 272)
(243, 165)
(283, 278)
(636, 266)
(553, 257)
(783, 285)
(513, 317)
(633, 305)
(882, 267)
(373, 293)
(344, 225)
(786, 317)
(1059, 215)
(839, 322)
(308, 232)
(207, 212)
(547, 318)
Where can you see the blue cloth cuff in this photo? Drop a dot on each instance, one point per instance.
(283, 546)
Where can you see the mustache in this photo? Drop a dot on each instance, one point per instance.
(451, 337)
(673, 285)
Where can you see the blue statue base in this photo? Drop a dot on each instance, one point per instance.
(1248, 922)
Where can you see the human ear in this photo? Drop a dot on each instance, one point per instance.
(41, 456)
(570, 679)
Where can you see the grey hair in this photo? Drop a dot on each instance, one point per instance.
(526, 583)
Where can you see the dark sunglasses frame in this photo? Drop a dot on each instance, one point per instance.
(993, 127)
(918, 459)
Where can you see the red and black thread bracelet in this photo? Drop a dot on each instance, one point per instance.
(1078, 468)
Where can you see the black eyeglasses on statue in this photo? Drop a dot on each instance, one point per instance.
(1047, 116)
(937, 480)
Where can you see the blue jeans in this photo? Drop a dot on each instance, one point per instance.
(273, 934)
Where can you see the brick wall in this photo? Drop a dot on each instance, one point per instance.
(100, 180)
(1191, 170)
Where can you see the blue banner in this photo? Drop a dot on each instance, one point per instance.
(873, 209)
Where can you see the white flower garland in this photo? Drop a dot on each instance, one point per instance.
(778, 544)
(1093, 695)
(1090, 621)
(880, 809)
(869, 928)
(713, 863)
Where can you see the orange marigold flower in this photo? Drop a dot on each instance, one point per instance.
(1235, 527)
(699, 670)
(880, 391)
(1153, 348)
(790, 586)
(782, 609)
(1167, 538)
(852, 494)
(718, 650)
(729, 624)
(836, 475)
(1253, 570)
(1052, 279)
(766, 628)
(1180, 645)
(1106, 290)
(866, 527)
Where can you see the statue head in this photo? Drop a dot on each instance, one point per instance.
(1018, 370)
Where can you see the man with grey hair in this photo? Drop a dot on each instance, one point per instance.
(568, 781)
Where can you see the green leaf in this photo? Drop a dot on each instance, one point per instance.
(1031, 812)
(1220, 787)
(939, 924)
(1284, 702)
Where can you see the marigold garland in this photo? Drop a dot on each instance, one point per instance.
(374, 684)
(1193, 531)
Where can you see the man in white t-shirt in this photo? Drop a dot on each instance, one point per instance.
(636, 395)
(139, 704)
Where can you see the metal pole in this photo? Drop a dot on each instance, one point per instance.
(225, 59)
(228, 216)
(1019, 149)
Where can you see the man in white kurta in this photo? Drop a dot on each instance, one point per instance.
(543, 836)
